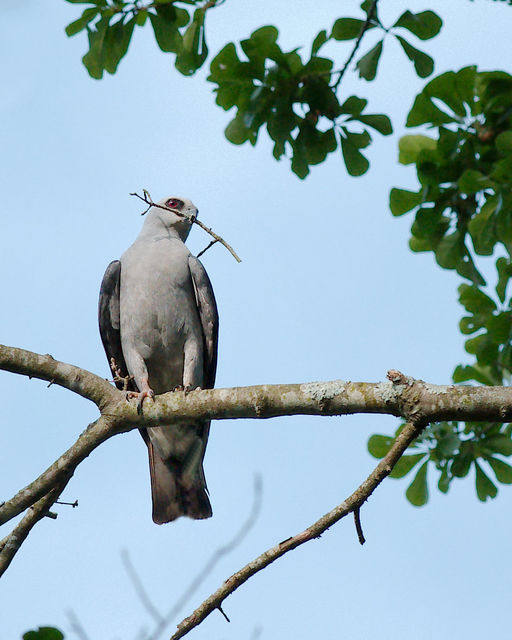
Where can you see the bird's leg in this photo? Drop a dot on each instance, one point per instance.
(118, 374)
(145, 392)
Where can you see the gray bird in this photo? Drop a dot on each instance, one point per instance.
(159, 325)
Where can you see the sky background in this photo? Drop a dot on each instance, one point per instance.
(327, 289)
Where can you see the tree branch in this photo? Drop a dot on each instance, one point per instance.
(352, 503)
(86, 384)
(60, 472)
(10, 545)
(412, 399)
(364, 29)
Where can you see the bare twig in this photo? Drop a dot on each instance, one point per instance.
(139, 588)
(206, 248)
(222, 551)
(148, 200)
(364, 29)
(359, 528)
(354, 501)
(76, 625)
(10, 545)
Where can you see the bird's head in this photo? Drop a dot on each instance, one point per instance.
(180, 219)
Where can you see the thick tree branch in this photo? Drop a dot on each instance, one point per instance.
(414, 400)
(34, 365)
(352, 503)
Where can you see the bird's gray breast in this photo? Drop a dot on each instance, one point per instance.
(158, 309)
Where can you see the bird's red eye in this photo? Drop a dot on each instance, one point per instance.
(174, 203)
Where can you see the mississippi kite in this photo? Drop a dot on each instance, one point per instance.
(159, 325)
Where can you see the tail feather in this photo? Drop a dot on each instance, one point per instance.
(175, 494)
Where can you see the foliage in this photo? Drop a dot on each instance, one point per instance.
(463, 209)
(295, 97)
(44, 633)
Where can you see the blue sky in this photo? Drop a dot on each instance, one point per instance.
(327, 289)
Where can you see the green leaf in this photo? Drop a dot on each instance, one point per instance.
(300, 165)
(423, 63)
(193, 51)
(93, 59)
(461, 464)
(424, 25)
(116, 45)
(367, 65)
(141, 17)
(480, 374)
(485, 488)
(450, 250)
(443, 483)
(377, 121)
(166, 32)
(501, 444)
(472, 181)
(370, 6)
(236, 131)
(504, 268)
(504, 143)
(417, 492)
(319, 42)
(44, 633)
(353, 105)
(262, 44)
(448, 444)
(405, 464)
(483, 347)
(475, 300)
(379, 445)
(410, 147)
(482, 227)
(402, 201)
(425, 111)
(347, 28)
(355, 162)
(502, 470)
(82, 22)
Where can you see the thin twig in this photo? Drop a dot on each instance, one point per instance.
(359, 528)
(76, 625)
(206, 248)
(13, 541)
(364, 29)
(139, 588)
(149, 201)
(354, 501)
(214, 559)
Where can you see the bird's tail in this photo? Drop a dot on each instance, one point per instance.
(175, 492)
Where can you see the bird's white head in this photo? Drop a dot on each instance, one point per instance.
(179, 220)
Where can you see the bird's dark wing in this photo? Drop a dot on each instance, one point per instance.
(109, 321)
(209, 317)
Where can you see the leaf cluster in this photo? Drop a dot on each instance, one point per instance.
(463, 210)
(110, 25)
(296, 100)
(452, 450)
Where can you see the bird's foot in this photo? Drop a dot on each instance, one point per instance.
(186, 389)
(147, 392)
